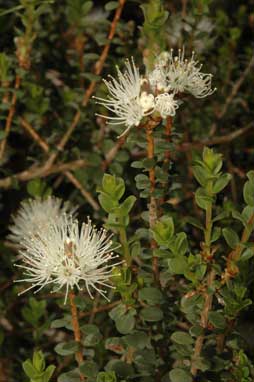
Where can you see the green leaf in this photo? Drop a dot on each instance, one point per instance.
(60, 323)
(106, 376)
(247, 254)
(67, 348)
(127, 205)
(89, 369)
(217, 320)
(163, 230)
(111, 5)
(86, 7)
(142, 181)
(212, 160)
(248, 190)
(151, 295)
(35, 187)
(181, 338)
(179, 375)
(92, 335)
(203, 200)
(221, 183)
(151, 314)
(70, 376)
(113, 186)
(107, 203)
(121, 368)
(178, 265)
(216, 233)
(137, 340)
(125, 324)
(181, 243)
(48, 373)
(29, 369)
(201, 175)
(38, 361)
(231, 237)
(115, 344)
(194, 222)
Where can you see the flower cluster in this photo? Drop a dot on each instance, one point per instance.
(62, 254)
(35, 215)
(132, 97)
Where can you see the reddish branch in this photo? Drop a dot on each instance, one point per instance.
(153, 213)
(203, 320)
(76, 329)
(98, 69)
(10, 116)
(42, 172)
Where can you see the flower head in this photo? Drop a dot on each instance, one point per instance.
(35, 215)
(166, 105)
(126, 99)
(65, 256)
(182, 75)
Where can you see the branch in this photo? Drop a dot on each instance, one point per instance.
(84, 192)
(41, 172)
(233, 93)
(98, 68)
(10, 116)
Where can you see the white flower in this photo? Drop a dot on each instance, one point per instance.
(66, 256)
(184, 76)
(35, 215)
(166, 105)
(126, 99)
(157, 79)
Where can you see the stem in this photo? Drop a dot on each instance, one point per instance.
(234, 256)
(153, 213)
(208, 296)
(10, 116)
(124, 243)
(230, 272)
(76, 328)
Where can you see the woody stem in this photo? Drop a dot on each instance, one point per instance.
(76, 329)
(153, 213)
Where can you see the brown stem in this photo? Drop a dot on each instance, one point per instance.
(153, 213)
(102, 308)
(203, 319)
(231, 268)
(36, 137)
(10, 116)
(98, 69)
(42, 172)
(76, 328)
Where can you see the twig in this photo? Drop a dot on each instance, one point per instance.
(10, 116)
(41, 172)
(184, 8)
(216, 140)
(233, 93)
(234, 256)
(36, 137)
(84, 192)
(98, 68)
(203, 319)
(76, 329)
(99, 309)
(68, 174)
(112, 152)
(153, 213)
(206, 252)
(100, 63)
